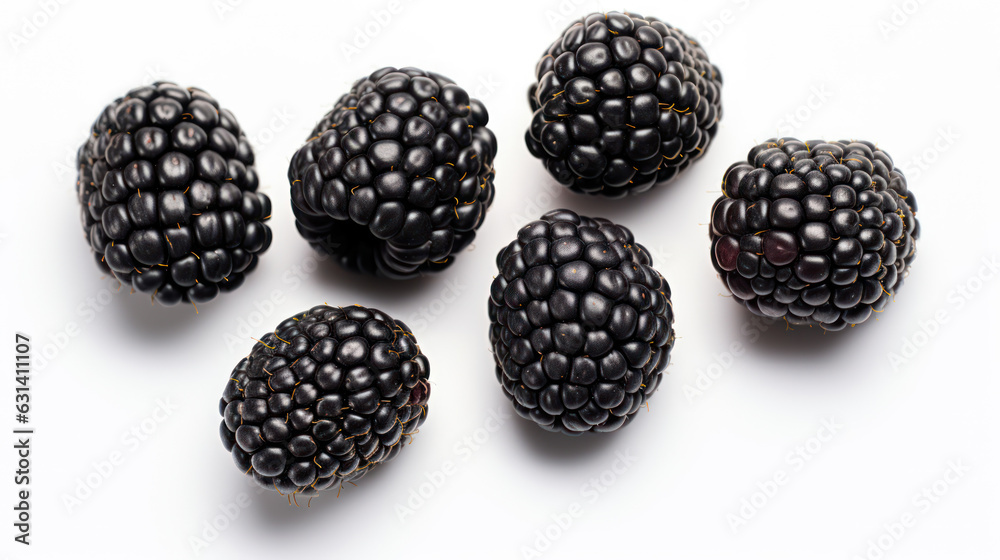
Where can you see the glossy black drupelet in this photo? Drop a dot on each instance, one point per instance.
(820, 233)
(326, 397)
(169, 195)
(622, 103)
(580, 323)
(397, 178)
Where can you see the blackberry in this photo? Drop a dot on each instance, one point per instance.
(820, 233)
(397, 177)
(326, 397)
(622, 103)
(581, 324)
(168, 195)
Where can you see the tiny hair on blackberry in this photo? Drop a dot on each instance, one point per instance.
(323, 399)
(168, 195)
(622, 103)
(581, 324)
(820, 233)
(395, 180)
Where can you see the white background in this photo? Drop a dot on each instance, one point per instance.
(925, 89)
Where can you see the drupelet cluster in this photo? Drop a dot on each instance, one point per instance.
(326, 397)
(622, 103)
(820, 233)
(581, 324)
(397, 178)
(168, 195)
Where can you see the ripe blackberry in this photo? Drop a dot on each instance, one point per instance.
(580, 323)
(324, 398)
(397, 178)
(820, 233)
(168, 194)
(622, 103)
